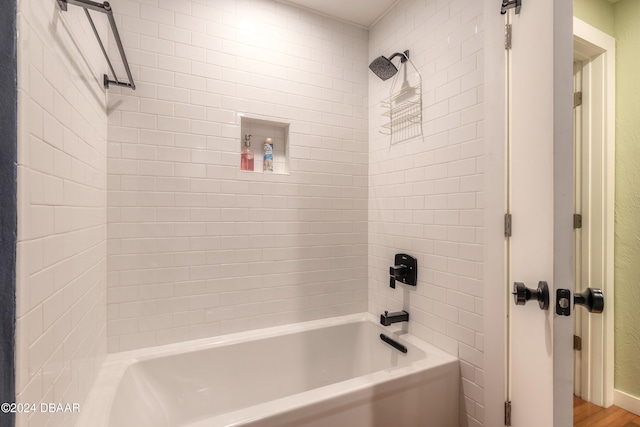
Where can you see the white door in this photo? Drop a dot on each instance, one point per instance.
(532, 165)
(540, 200)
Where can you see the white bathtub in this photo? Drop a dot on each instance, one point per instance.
(333, 372)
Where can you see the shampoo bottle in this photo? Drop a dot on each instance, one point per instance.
(247, 156)
(268, 156)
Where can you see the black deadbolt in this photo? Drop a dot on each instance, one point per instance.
(563, 302)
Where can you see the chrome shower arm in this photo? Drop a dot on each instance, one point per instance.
(404, 56)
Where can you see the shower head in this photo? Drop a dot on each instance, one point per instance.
(384, 68)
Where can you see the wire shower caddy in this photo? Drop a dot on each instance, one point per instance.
(403, 108)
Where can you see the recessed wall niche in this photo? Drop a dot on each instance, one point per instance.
(260, 130)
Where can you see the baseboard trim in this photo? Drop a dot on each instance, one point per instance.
(626, 401)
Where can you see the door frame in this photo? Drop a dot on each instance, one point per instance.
(598, 134)
(495, 190)
(496, 294)
(8, 202)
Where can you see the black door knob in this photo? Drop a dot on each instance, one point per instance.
(592, 299)
(522, 294)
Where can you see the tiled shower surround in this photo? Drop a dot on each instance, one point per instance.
(62, 225)
(151, 219)
(197, 247)
(425, 195)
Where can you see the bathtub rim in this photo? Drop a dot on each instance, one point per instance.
(115, 365)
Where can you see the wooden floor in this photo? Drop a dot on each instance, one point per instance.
(587, 414)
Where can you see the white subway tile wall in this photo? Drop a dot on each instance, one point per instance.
(62, 181)
(425, 195)
(196, 247)
(176, 243)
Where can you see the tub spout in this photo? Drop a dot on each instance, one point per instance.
(399, 316)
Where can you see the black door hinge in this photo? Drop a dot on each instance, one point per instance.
(577, 99)
(507, 413)
(577, 221)
(507, 225)
(577, 343)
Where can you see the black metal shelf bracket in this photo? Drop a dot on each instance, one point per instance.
(509, 4)
(105, 8)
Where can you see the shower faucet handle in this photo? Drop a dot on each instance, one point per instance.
(405, 270)
(396, 272)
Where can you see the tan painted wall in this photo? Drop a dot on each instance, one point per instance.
(627, 209)
(598, 13)
(621, 20)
